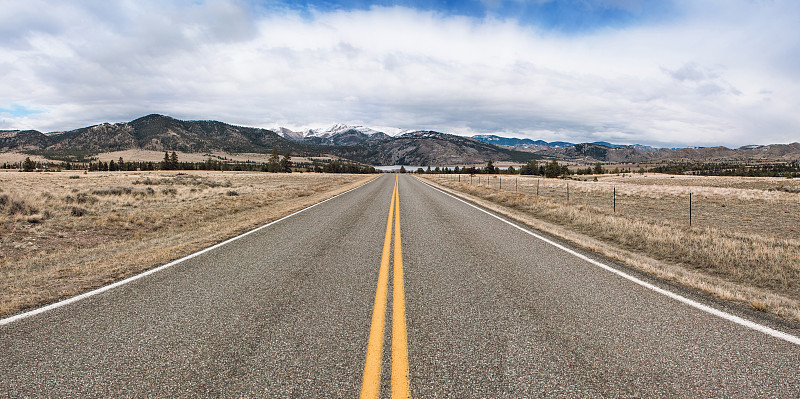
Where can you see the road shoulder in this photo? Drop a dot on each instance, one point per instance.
(675, 278)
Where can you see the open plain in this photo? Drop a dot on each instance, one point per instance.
(63, 233)
(466, 304)
(743, 244)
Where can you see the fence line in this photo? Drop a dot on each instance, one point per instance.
(761, 214)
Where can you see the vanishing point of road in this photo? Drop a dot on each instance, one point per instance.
(393, 289)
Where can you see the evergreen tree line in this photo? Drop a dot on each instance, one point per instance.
(549, 169)
(788, 169)
(275, 164)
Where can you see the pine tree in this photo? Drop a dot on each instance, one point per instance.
(490, 168)
(530, 168)
(28, 165)
(274, 164)
(553, 169)
(165, 164)
(173, 160)
(286, 162)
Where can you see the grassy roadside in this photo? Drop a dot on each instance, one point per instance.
(62, 234)
(757, 271)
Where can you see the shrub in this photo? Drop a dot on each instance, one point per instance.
(143, 193)
(147, 181)
(15, 206)
(116, 190)
(232, 193)
(80, 198)
(84, 198)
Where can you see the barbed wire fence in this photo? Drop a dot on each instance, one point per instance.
(678, 204)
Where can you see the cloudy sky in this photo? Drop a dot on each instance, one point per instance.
(656, 72)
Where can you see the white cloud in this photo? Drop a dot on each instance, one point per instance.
(722, 74)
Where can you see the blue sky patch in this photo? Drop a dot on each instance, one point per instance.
(563, 16)
(17, 110)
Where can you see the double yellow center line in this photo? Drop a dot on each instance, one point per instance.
(370, 386)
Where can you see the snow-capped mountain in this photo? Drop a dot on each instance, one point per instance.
(289, 134)
(324, 133)
(338, 134)
(341, 128)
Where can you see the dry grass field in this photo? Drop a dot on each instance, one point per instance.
(765, 206)
(157, 156)
(63, 233)
(743, 244)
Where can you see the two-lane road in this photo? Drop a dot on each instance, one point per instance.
(490, 311)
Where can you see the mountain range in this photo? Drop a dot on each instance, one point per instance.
(516, 142)
(610, 153)
(163, 133)
(358, 143)
(602, 151)
(336, 135)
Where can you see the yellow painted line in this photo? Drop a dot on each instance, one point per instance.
(370, 385)
(399, 339)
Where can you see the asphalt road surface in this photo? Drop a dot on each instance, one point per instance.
(490, 312)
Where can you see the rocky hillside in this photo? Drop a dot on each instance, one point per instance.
(606, 152)
(596, 152)
(430, 148)
(152, 132)
(336, 135)
(22, 140)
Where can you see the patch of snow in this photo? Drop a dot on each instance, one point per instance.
(323, 132)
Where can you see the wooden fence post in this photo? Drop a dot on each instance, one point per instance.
(615, 199)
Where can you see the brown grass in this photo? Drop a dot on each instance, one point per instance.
(157, 156)
(762, 206)
(742, 266)
(61, 235)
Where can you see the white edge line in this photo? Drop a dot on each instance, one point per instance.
(697, 305)
(162, 267)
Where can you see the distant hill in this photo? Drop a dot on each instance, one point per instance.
(588, 153)
(515, 142)
(602, 151)
(151, 132)
(528, 143)
(22, 140)
(431, 148)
